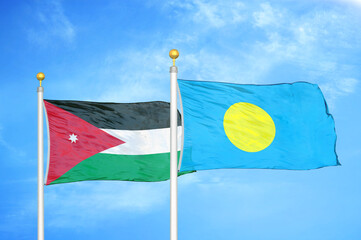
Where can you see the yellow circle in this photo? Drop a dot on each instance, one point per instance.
(249, 127)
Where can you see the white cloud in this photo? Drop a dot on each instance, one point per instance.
(348, 85)
(335, 88)
(209, 66)
(135, 76)
(211, 13)
(353, 2)
(304, 41)
(307, 42)
(52, 24)
(267, 16)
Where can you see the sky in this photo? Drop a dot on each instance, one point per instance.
(118, 51)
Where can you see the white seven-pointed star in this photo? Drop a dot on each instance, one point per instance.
(73, 138)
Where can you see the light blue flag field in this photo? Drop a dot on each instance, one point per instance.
(280, 126)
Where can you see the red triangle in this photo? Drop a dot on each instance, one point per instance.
(65, 154)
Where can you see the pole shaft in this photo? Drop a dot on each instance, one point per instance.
(40, 165)
(173, 155)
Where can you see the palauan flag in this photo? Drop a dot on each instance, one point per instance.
(108, 141)
(281, 126)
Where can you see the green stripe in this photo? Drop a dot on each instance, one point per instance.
(138, 168)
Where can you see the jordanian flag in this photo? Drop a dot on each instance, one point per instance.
(108, 141)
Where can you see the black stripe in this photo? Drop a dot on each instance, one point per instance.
(122, 116)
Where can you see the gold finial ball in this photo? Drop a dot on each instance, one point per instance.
(40, 76)
(173, 53)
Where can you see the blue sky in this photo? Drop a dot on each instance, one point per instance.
(118, 51)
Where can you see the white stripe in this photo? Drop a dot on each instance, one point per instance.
(142, 142)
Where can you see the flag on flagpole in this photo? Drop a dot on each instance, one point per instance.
(108, 141)
(281, 126)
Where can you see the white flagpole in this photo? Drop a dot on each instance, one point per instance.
(173, 148)
(40, 76)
